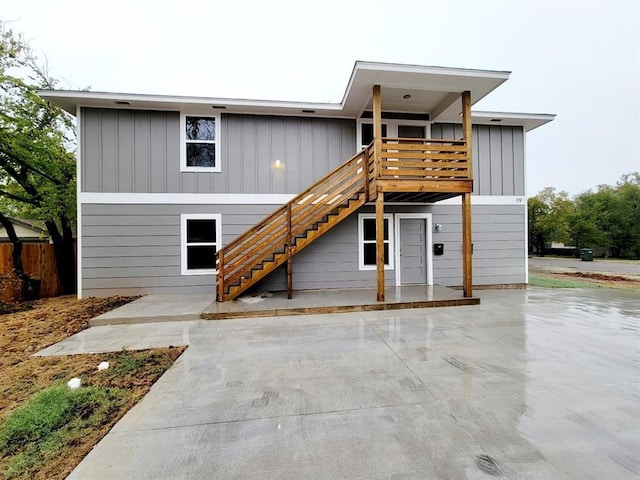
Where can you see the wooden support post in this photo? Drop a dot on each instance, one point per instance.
(466, 129)
(377, 150)
(380, 245)
(377, 129)
(220, 275)
(467, 259)
(289, 256)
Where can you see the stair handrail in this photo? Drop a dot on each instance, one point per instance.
(283, 209)
(229, 270)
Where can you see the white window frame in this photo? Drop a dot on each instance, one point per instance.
(184, 141)
(361, 241)
(183, 240)
(392, 128)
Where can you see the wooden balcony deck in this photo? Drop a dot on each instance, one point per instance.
(419, 169)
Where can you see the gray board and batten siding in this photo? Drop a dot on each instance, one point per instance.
(498, 157)
(138, 151)
(136, 248)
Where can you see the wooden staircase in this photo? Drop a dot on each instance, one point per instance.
(287, 231)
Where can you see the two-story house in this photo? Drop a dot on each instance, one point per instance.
(400, 183)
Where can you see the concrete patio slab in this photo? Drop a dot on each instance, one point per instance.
(336, 301)
(531, 384)
(155, 308)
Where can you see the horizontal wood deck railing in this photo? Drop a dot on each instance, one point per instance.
(415, 158)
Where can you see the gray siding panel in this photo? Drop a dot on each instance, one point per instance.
(499, 234)
(136, 248)
(518, 163)
(139, 151)
(498, 157)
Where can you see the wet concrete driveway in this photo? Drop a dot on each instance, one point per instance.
(537, 384)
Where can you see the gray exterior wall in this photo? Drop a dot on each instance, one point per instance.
(498, 157)
(135, 249)
(499, 236)
(139, 151)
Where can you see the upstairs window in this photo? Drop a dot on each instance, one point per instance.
(200, 150)
(200, 242)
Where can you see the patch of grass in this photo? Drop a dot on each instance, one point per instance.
(53, 419)
(548, 281)
(46, 429)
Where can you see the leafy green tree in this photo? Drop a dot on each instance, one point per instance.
(548, 213)
(37, 163)
(618, 215)
(608, 218)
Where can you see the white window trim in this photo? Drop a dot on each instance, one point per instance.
(183, 144)
(183, 240)
(391, 241)
(392, 128)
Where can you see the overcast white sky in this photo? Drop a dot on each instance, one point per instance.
(579, 59)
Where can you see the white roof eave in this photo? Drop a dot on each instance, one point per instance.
(356, 97)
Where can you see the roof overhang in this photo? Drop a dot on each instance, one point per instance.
(528, 121)
(416, 88)
(405, 88)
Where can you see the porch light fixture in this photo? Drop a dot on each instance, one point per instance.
(277, 164)
(406, 96)
(438, 227)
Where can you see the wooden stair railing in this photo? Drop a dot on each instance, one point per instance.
(288, 230)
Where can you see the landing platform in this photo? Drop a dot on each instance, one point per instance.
(267, 304)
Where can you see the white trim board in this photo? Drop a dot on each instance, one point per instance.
(79, 204)
(475, 200)
(487, 200)
(259, 199)
(184, 198)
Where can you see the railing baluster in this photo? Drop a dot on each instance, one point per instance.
(221, 275)
(289, 256)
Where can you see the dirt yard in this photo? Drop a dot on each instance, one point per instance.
(27, 328)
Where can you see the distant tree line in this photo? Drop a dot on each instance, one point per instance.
(607, 219)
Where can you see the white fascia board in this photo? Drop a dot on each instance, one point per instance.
(363, 72)
(69, 100)
(184, 198)
(529, 121)
(432, 70)
(487, 200)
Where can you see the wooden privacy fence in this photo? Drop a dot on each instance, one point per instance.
(38, 261)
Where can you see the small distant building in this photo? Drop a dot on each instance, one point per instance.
(26, 230)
